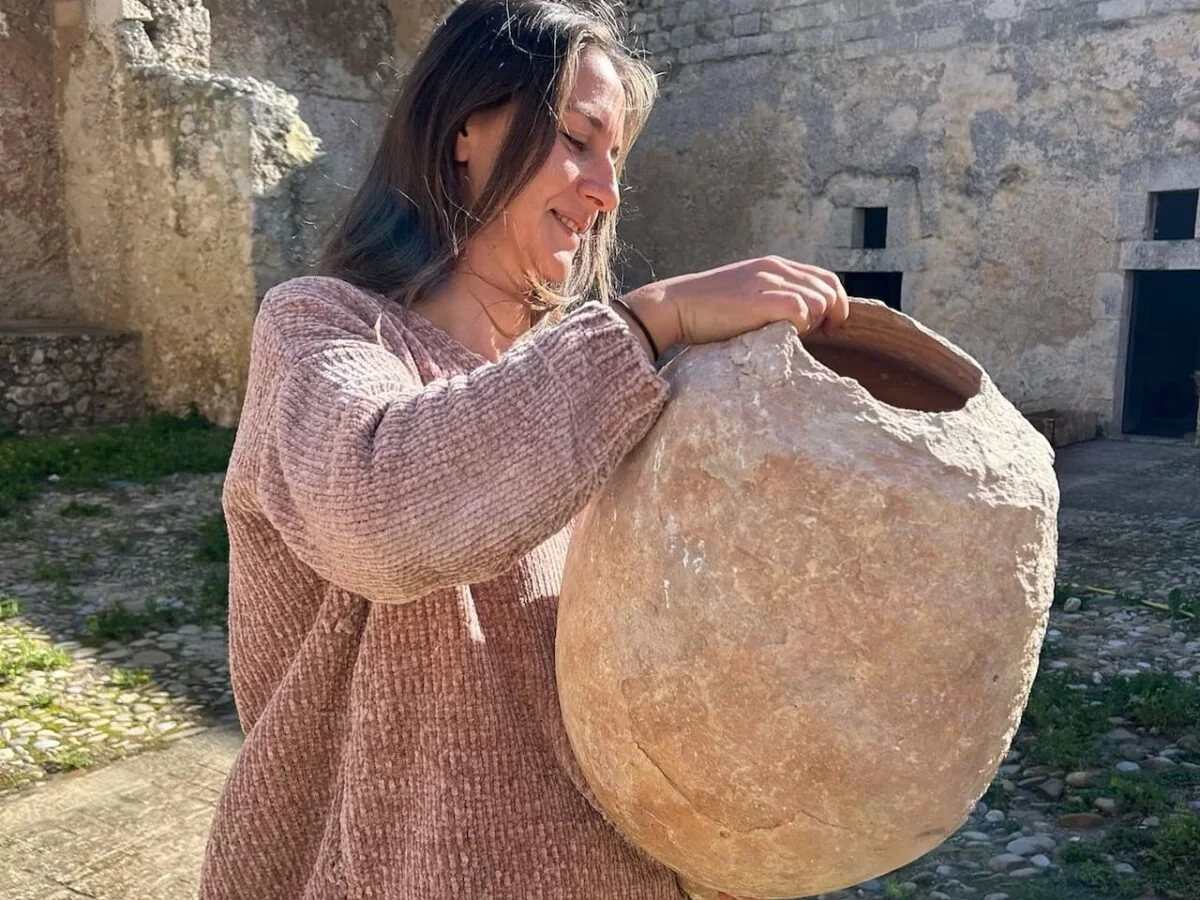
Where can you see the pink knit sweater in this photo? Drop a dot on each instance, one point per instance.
(398, 513)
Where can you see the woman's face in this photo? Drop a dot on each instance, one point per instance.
(540, 229)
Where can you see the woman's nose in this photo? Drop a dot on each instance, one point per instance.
(600, 185)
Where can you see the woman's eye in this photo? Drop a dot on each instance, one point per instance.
(578, 145)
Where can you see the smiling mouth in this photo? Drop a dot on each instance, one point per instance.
(570, 224)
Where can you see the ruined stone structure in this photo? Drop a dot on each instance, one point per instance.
(161, 165)
(1027, 152)
(1019, 174)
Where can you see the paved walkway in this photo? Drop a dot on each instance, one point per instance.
(134, 830)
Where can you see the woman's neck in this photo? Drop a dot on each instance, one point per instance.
(480, 316)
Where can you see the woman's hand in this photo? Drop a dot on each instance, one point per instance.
(722, 303)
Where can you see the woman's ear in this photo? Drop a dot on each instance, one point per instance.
(463, 142)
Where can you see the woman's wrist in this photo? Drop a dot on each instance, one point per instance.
(652, 305)
(636, 323)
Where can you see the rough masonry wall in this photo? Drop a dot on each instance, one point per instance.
(337, 58)
(68, 376)
(1000, 133)
(34, 281)
(179, 189)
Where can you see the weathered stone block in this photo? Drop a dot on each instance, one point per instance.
(715, 31)
(758, 43)
(940, 38)
(1173, 174)
(860, 49)
(658, 41)
(700, 53)
(857, 31)
(815, 38)
(683, 36)
(691, 11)
(1160, 255)
(1132, 216)
(1121, 9)
(800, 17)
(1002, 9)
(747, 24)
(1063, 427)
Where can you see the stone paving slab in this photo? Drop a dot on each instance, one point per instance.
(134, 830)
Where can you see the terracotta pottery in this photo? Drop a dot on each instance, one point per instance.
(799, 624)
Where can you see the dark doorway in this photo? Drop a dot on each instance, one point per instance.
(1164, 350)
(883, 286)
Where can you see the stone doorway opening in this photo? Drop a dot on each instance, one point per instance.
(883, 286)
(1162, 354)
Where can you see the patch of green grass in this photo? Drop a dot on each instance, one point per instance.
(118, 622)
(996, 797)
(69, 760)
(64, 596)
(47, 570)
(28, 654)
(1175, 855)
(1156, 700)
(16, 525)
(1168, 857)
(1137, 793)
(158, 445)
(1181, 606)
(1053, 650)
(1066, 729)
(214, 540)
(79, 509)
(1066, 726)
(1062, 591)
(9, 607)
(119, 543)
(40, 701)
(10, 780)
(129, 677)
(1083, 874)
(213, 607)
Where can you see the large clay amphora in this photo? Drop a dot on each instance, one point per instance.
(799, 624)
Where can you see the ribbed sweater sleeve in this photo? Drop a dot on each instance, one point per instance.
(391, 488)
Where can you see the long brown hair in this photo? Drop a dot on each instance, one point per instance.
(405, 227)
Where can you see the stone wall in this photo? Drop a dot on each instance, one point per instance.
(1000, 134)
(184, 192)
(64, 376)
(336, 57)
(34, 278)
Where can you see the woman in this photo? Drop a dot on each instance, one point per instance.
(422, 423)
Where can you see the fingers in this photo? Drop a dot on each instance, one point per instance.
(802, 307)
(823, 292)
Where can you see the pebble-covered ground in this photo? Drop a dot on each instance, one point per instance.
(111, 634)
(111, 642)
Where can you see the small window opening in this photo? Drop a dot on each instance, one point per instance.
(1174, 215)
(870, 227)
